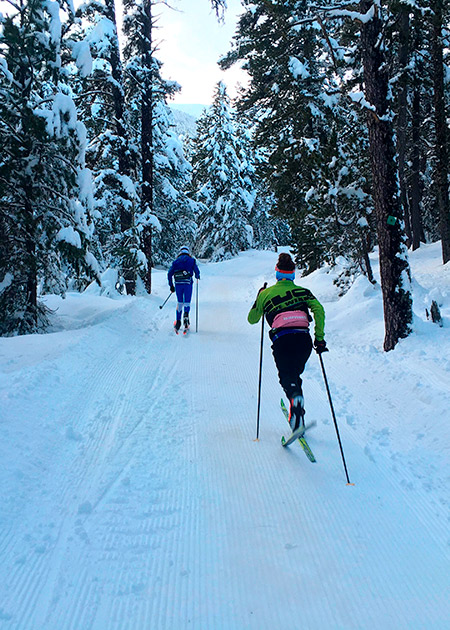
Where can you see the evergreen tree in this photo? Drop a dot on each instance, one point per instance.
(440, 16)
(299, 93)
(222, 183)
(45, 191)
(166, 216)
(110, 154)
(268, 231)
(394, 266)
(176, 212)
(295, 95)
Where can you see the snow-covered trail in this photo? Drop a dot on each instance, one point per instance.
(135, 496)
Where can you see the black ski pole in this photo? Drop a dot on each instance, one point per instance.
(334, 419)
(161, 305)
(260, 372)
(196, 308)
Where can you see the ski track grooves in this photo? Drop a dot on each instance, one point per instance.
(169, 515)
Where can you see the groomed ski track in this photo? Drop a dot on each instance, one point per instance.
(146, 503)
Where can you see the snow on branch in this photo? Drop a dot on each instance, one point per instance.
(341, 12)
(52, 8)
(354, 15)
(4, 69)
(81, 52)
(359, 97)
(298, 69)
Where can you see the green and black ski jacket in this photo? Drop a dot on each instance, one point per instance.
(287, 296)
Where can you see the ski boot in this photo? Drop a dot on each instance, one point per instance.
(297, 412)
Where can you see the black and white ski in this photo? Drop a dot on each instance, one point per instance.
(298, 435)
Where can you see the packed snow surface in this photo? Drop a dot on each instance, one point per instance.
(134, 496)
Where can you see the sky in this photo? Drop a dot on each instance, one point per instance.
(190, 43)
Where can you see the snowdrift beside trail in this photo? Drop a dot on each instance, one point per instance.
(134, 495)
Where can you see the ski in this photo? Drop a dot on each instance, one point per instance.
(299, 434)
(294, 436)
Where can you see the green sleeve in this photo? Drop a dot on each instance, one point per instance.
(257, 309)
(319, 318)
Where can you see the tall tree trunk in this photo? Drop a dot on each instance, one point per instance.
(126, 214)
(416, 186)
(29, 235)
(30, 318)
(441, 173)
(365, 243)
(402, 116)
(147, 138)
(393, 264)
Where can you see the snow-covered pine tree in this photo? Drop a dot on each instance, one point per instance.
(166, 216)
(176, 212)
(102, 102)
(266, 231)
(297, 69)
(439, 22)
(45, 189)
(294, 98)
(221, 181)
(394, 267)
(138, 78)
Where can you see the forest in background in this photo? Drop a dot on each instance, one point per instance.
(338, 144)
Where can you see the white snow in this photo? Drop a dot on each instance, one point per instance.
(134, 496)
(53, 8)
(354, 15)
(86, 193)
(6, 281)
(298, 69)
(70, 236)
(81, 52)
(62, 117)
(358, 97)
(4, 68)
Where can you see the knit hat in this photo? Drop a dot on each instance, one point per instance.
(285, 267)
(184, 250)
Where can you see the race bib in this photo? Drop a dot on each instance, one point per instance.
(291, 319)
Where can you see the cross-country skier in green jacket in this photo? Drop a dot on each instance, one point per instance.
(286, 307)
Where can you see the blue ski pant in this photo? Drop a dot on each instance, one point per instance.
(184, 295)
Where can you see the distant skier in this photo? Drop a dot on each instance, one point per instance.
(181, 272)
(286, 308)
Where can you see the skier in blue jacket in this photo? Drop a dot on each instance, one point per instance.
(181, 272)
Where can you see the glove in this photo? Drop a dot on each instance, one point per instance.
(320, 346)
(172, 289)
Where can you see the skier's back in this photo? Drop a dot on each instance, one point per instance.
(181, 273)
(286, 307)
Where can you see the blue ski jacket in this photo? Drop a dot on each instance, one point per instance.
(182, 270)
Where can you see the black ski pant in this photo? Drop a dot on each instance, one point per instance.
(291, 351)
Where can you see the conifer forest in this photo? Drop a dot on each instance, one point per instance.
(337, 145)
